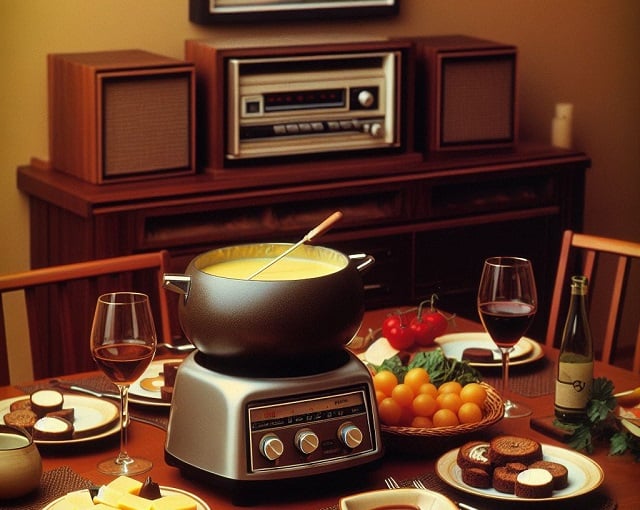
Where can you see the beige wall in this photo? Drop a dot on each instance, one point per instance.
(582, 51)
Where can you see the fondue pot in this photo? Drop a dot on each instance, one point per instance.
(271, 393)
(256, 323)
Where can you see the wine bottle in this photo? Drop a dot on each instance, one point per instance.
(575, 363)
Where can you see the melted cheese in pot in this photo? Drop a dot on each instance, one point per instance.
(288, 268)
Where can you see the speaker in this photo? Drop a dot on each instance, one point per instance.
(466, 93)
(121, 115)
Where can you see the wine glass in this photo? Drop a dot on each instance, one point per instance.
(507, 304)
(123, 342)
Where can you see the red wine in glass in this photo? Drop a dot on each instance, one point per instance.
(506, 321)
(507, 304)
(123, 363)
(123, 342)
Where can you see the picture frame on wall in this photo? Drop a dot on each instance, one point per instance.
(215, 11)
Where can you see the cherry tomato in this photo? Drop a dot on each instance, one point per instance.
(391, 322)
(422, 331)
(429, 323)
(400, 338)
(438, 322)
(397, 332)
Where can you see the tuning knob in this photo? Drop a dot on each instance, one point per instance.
(350, 435)
(376, 130)
(366, 98)
(271, 446)
(306, 441)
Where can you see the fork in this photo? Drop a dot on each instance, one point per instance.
(419, 485)
(391, 483)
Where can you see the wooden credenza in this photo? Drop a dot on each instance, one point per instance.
(429, 222)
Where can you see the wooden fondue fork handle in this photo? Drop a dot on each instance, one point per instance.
(313, 233)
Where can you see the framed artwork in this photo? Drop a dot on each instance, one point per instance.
(213, 11)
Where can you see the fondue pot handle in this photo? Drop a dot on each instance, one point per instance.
(180, 283)
(364, 261)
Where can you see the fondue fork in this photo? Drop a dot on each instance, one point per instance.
(462, 506)
(313, 233)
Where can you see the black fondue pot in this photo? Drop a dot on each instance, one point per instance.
(259, 323)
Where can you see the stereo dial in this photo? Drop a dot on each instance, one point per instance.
(307, 441)
(366, 98)
(350, 435)
(271, 447)
(376, 130)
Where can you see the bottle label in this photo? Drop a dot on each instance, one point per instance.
(573, 385)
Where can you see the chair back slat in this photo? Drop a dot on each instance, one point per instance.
(59, 332)
(607, 263)
(4, 351)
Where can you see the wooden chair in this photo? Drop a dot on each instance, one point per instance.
(607, 263)
(59, 331)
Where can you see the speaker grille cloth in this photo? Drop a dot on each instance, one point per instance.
(477, 100)
(146, 124)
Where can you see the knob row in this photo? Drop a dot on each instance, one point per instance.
(307, 441)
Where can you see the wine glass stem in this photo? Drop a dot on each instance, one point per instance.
(123, 456)
(505, 371)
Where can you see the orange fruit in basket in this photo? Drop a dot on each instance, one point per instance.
(389, 411)
(429, 389)
(469, 412)
(445, 418)
(450, 387)
(474, 392)
(402, 394)
(451, 401)
(385, 381)
(424, 405)
(416, 377)
(422, 422)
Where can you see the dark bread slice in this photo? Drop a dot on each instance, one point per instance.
(24, 418)
(476, 477)
(506, 449)
(534, 483)
(559, 472)
(474, 454)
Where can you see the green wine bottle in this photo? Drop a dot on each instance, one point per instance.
(575, 363)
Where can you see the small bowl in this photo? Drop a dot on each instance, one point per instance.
(418, 499)
(20, 463)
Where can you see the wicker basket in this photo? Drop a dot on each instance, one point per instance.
(493, 412)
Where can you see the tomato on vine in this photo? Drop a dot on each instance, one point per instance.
(429, 324)
(396, 330)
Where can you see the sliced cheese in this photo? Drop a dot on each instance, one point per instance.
(125, 484)
(108, 496)
(133, 502)
(174, 502)
(80, 499)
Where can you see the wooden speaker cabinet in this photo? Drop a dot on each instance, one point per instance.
(121, 115)
(466, 93)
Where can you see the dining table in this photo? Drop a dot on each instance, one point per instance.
(71, 467)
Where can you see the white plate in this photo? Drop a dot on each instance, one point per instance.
(140, 395)
(585, 475)
(414, 498)
(453, 345)
(165, 491)
(94, 418)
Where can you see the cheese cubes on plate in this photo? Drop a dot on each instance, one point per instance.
(122, 494)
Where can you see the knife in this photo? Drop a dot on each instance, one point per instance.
(81, 389)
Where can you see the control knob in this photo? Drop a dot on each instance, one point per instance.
(350, 435)
(271, 446)
(376, 130)
(366, 98)
(307, 441)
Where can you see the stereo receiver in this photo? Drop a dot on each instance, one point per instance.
(285, 99)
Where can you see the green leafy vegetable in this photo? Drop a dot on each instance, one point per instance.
(601, 423)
